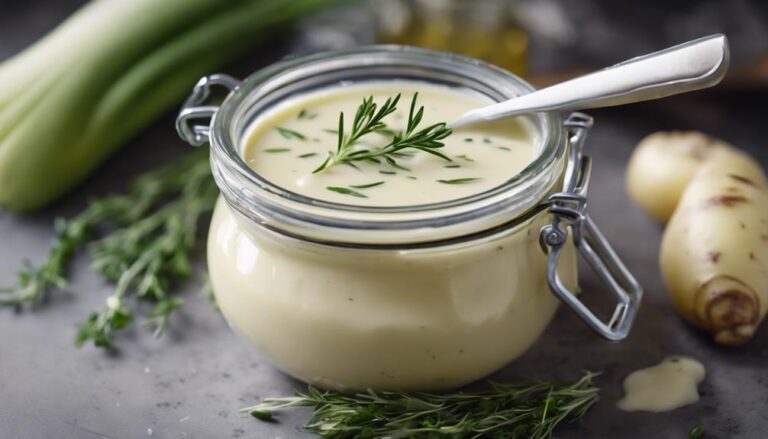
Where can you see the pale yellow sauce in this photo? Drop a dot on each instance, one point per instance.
(288, 143)
(671, 384)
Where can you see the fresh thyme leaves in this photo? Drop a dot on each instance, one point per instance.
(515, 411)
(369, 118)
(309, 154)
(305, 114)
(346, 191)
(142, 241)
(366, 186)
(36, 283)
(459, 180)
(290, 134)
(274, 150)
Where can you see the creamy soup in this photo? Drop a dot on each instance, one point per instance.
(286, 145)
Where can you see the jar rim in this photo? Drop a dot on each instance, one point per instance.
(297, 215)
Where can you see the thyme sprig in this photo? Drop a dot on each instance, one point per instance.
(514, 411)
(142, 241)
(369, 118)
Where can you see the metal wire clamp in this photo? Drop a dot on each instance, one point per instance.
(197, 135)
(569, 216)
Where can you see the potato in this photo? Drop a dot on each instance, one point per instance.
(714, 253)
(661, 167)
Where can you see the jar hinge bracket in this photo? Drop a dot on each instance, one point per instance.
(193, 108)
(568, 211)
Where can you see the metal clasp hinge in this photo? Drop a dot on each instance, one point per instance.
(568, 210)
(196, 134)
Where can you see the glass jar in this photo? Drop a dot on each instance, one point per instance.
(417, 297)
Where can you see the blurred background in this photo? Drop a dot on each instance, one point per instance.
(542, 40)
(550, 40)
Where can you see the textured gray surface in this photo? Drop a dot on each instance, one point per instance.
(192, 382)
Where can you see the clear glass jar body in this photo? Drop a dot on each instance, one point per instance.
(384, 319)
(346, 297)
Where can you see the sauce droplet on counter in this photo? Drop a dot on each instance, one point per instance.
(670, 384)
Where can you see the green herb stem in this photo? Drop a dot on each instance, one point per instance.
(515, 411)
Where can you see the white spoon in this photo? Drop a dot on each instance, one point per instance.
(690, 66)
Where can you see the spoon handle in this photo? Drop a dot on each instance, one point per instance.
(690, 66)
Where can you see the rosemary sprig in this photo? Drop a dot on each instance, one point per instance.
(142, 241)
(514, 411)
(369, 118)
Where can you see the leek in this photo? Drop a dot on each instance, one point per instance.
(70, 100)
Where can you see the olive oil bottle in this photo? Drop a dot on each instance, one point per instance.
(485, 29)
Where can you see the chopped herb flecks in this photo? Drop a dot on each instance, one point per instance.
(504, 148)
(465, 157)
(367, 185)
(410, 177)
(459, 180)
(452, 166)
(346, 191)
(388, 172)
(290, 134)
(469, 140)
(309, 154)
(304, 114)
(273, 150)
(486, 140)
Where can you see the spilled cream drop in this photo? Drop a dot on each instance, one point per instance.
(671, 384)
